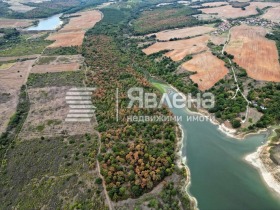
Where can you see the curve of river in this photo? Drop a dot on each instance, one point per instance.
(220, 177)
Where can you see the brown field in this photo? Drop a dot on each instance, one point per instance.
(72, 34)
(55, 68)
(209, 70)
(184, 32)
(11, 81)
(255, 53)
(48, 64)
(47, 115)
(230, 12)
(85, 21)
(67, 39)
(218, 39)
(180, 48)
(214, 4)
(273, 14)
(14, 23)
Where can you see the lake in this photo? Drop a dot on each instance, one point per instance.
(50, 23)
(220, 177)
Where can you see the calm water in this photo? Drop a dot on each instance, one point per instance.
(50, 23)
(220, 178)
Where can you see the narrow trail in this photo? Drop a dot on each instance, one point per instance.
(236, 80)
(100, 175)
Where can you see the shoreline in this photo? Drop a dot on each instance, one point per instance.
(253, 158)
(182, 163)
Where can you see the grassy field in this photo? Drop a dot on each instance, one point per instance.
(56, 79)
(24, 47)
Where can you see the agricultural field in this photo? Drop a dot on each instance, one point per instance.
(273, 14)
(48, 64)
(253, 52)
(48, 111)
(18, 5)
(181, 48)
(208, 70)
(14, 23)
(164, 18)
(215, 4)
(11, 81)
(183, 33)
(230, 12)
(72, 34)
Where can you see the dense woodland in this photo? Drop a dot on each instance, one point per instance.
(135, 156)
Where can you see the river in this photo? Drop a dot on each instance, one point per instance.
(220, 177)
(50, 23)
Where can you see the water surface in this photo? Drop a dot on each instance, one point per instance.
(220, 177)
(50, 23)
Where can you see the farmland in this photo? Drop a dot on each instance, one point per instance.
(273, 14)
(208, 70)
(14, 23)
(184, 32)
(181, 48)
(50, 64)
(11, 81)
(164, 18)
(72, 34)
(230, 12)
(255, 53)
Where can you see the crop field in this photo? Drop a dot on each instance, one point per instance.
(46, 64)
(11, 81)
(255, 53)
(230, 12)
(48, 112)
(209, 70)
(72, 34)
(219, 39)
(181, 48)
(18, 6)
(184, 32)
(163, 18)
(273, 14)
(6, 66)
(214, 4)
(14, 23)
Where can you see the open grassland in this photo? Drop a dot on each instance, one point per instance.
(255, 53)
(184, 32)
(24, 47)
(230, 12)
(11, 81)
(48, 111)
(181, 48)
(164, 18)
(14, 23)
(208, 70)
(72, 34)
(273, 14)
(52, 172)
(48, 64)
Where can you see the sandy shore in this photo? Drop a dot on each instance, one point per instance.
(254, 158)
(256, 161)
(182, 162)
